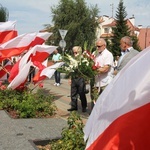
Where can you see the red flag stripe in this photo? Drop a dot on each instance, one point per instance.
(113, 102)
(7, 31)
(7, 35)
(17, 45)
(40, 38)
(128, 132)
(5, 70)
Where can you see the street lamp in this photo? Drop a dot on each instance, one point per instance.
(146, 34)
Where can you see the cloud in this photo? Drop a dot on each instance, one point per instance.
(32, 15)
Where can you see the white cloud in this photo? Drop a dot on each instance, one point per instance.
(32, 15)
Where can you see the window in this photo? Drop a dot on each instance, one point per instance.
(106, 30)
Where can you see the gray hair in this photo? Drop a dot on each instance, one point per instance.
(78, 49)
(127, 40)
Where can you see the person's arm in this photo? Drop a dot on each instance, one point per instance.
(104, 69)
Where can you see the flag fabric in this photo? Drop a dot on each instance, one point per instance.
(41, 37)
(7, 31)
(17, 45)
(40, 67)
(21, 77)
(4, 70)
(119, 119)
(49, 71)
(14, 71)
(45, 62)
(42, 52)
(37, 53)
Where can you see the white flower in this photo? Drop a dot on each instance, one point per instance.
(73, 62)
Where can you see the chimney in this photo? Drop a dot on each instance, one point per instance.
(132, 20)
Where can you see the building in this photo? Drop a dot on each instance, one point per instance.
(106, 24)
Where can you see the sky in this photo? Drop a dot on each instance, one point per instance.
(32, 15)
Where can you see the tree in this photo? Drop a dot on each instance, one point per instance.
(4, 14)
(121, 29)
(78, 19)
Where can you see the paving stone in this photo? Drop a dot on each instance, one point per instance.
(18, 134)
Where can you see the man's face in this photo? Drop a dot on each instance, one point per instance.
(100, 46)
(123, 45)
(75, 53)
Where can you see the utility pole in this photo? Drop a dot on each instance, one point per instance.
(112, 7)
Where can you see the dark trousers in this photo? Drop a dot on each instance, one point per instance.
(78, 89)
(57, 76)
(31, 73)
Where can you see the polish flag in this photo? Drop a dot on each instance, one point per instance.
(7, 31)
(42, 52)
(37, 53)
(21, 77)
(4, 70)
(46, 72)
(49, 71)
(17, 45)
(119, 119)
(40, 67)
(40, 38)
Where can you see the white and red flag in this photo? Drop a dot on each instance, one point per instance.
(21, 78)
(41, 37)
(17, 45)
(7, 31)
(38, 53)
(49, 71)
(120, 117)
(46, 72)
(4, 70)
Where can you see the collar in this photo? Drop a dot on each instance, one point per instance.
(101, 52)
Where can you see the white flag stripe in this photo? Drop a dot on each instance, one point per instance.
(49, 71)
(128, 91)
(44, 35)
(45, 62)
(7, 26)
(3, 77)
(19, 41)
(21, 77)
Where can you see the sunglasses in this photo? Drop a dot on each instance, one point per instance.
(99, 46)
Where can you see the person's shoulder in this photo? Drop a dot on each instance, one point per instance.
(108, 52)
(134, 50)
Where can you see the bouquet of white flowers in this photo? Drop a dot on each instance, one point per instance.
(80, 66)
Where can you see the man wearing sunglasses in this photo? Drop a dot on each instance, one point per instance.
(103, 59)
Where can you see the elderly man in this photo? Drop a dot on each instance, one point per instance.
(104, 62)
(103, 59)
(77, 86)
(127, 52)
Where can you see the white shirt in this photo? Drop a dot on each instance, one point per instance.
(105, 58)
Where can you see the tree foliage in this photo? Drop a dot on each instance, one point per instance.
(4, 14)
(121, 29)
(76, 17)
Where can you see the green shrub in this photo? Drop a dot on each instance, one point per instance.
(26, 104)
(72, 136)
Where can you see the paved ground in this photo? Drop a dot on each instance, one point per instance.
(19, 134)
(62, 101)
